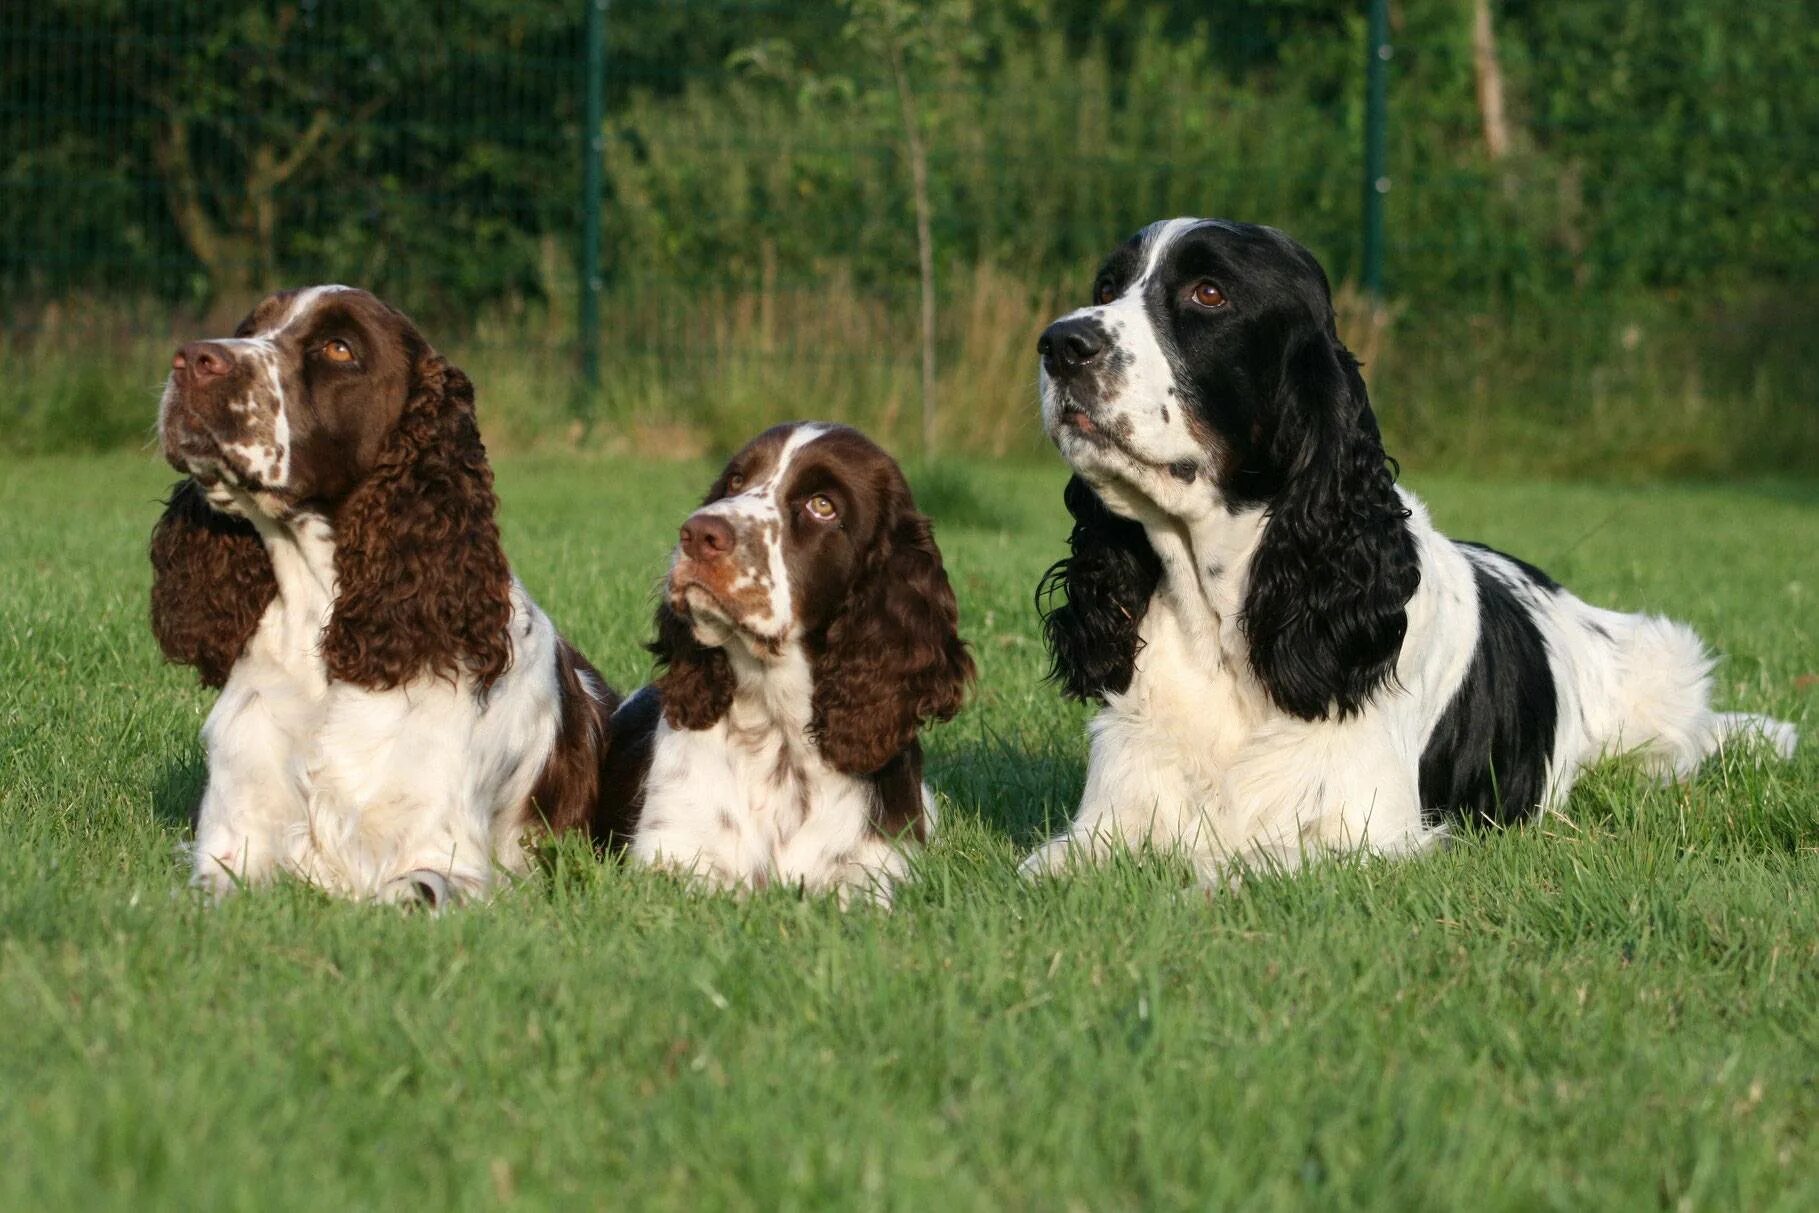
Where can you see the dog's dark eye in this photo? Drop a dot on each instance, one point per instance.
(735, 482)
(338, 350)
(820, 507)
(1206, 294)
(1104, 293)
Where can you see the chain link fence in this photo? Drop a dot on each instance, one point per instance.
(770, 190)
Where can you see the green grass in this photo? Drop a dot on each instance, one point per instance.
(1617, 1009)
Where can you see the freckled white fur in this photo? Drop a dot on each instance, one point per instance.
(753, 509)
(748, 801)
(367, 794)
(1194, 757)
(1155, 423)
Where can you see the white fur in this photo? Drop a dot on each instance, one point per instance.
(390, 795)
(749, 802)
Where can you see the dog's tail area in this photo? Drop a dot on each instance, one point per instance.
(1664, 686)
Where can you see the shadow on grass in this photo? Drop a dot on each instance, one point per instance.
(178, 793)
(1022, 795)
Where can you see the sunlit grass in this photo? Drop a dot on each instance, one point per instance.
(1613, 1009)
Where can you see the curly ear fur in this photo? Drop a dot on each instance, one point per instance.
(696, 682)
(211, 583)
(1325, 614)
(1105, 588)
(422, 581)
(893, 658)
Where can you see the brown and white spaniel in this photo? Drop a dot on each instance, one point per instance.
(397, 717)
(806, 633)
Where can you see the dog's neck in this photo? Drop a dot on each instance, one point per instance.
(301, 545)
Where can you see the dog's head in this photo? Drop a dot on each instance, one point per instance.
(1206, 376)
(809, 543)
(296, 406)
(1190, 368)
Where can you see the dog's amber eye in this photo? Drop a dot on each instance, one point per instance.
(820, 507)
(1103, 293)
(338, 351)
(1207, 295)
(735, 482)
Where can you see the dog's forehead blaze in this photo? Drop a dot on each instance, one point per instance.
(756, 460)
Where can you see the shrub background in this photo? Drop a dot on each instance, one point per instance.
(1627, 289)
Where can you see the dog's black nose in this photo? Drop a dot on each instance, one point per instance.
(1068, 345)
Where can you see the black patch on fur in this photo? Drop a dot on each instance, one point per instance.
(1104, 589)
(1486, 761)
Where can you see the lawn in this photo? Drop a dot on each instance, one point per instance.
(1618, 1008)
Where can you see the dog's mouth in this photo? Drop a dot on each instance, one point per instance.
(1074, 417)
(193, 447)
(200, 456)
(712, 611)
(690, 594)
(1077, 421)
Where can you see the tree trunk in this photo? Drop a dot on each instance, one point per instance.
(226, 256)
(925, 241)
(1489, 73)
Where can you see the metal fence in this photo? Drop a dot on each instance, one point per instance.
(672, 203)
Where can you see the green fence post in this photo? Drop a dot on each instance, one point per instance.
(1376, 121)
(593, 144)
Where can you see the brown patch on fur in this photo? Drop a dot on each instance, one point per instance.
(899, 814)
(695, 683)
(623, 768)
(211, 583)
(568, 789)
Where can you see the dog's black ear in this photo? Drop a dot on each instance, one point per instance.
(1324, 613)
(1104, 588)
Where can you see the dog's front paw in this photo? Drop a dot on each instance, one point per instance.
(1052, 858)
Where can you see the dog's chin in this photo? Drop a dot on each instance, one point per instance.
(710, 620)
(1097, 452)
(1131, 485)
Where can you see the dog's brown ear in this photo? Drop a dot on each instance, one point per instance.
(423, 584)
(211, 583)
(894, 658)
(694, 681)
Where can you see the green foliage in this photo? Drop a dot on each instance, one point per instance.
(1656, 200)
(1660, 144)
(1615, 1009)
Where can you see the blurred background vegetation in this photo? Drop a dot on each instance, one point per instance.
(1603, 217)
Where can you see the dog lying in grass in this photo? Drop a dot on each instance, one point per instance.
(1292, 660)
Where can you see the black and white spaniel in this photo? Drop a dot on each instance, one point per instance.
(806, 632)
(396, 715)
(1292, 660)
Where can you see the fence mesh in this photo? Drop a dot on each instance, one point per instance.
(163, 164)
